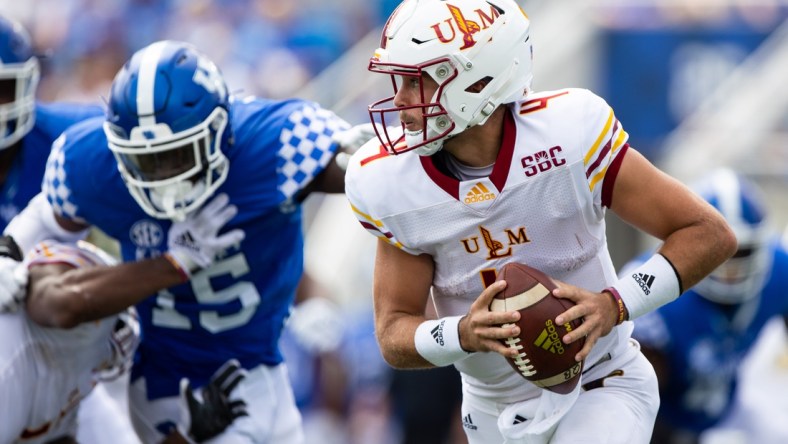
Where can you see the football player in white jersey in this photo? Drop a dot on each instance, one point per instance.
(70, 336)
(485, 172)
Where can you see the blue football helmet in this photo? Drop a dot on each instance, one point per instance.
(167, 121)
(743, 276)
(19, 75)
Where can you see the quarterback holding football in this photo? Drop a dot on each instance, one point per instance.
(474, 170)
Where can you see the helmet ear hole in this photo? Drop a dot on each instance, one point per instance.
(477, 86)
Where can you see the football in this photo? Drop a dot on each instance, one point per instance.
(544, 359)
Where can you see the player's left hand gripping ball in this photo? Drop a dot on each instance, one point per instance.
(543, 358)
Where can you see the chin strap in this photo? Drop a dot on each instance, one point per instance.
(416, 137)
(167, 197)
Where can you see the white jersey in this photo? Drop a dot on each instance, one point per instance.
(46, 372)
(543, 205)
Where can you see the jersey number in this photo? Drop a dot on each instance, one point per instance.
(165, 315)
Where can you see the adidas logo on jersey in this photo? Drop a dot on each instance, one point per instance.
(437, 333)
(645, 281)
(479, 193)
(549, 339)
(468, 423)
(519, 419)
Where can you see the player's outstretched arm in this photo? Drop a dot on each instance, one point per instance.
(62, 296)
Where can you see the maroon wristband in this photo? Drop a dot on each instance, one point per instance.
(619, 303)
(184, 274)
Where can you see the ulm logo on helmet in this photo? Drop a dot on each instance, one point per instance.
(467, 27)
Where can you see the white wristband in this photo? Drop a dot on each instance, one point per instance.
(438, 341)
(649, 286)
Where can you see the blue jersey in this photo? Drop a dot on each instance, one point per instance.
(235, 308)
(23, 180)
(704, 344)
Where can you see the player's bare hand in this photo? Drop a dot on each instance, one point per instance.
(481, 329)
(594, 309)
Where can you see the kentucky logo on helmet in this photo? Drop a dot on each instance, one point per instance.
(467, 27)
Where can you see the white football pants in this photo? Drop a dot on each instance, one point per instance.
(618, 405)
(103, 415)
(273, 415)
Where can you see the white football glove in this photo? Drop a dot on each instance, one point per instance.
(13, 284)
(351, 140)
(355, 137)
(195, 242)
(317, 324)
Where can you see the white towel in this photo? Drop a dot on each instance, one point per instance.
(534, 421)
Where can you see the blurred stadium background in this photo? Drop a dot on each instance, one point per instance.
(696, 83)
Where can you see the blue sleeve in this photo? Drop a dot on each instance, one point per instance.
(54, 118)
(68, 175)
(297, 135)
(307, 147)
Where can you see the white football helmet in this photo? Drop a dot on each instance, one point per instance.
(19, 75)
(743, 276)
(458, 44)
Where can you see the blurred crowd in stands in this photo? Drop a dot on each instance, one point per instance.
(757, 14)
(264, 47)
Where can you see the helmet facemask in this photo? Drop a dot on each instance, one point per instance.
(479, 54)
(18, 84)
(435, 121)
(742, 277)
(170, 175)
(739, 279)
